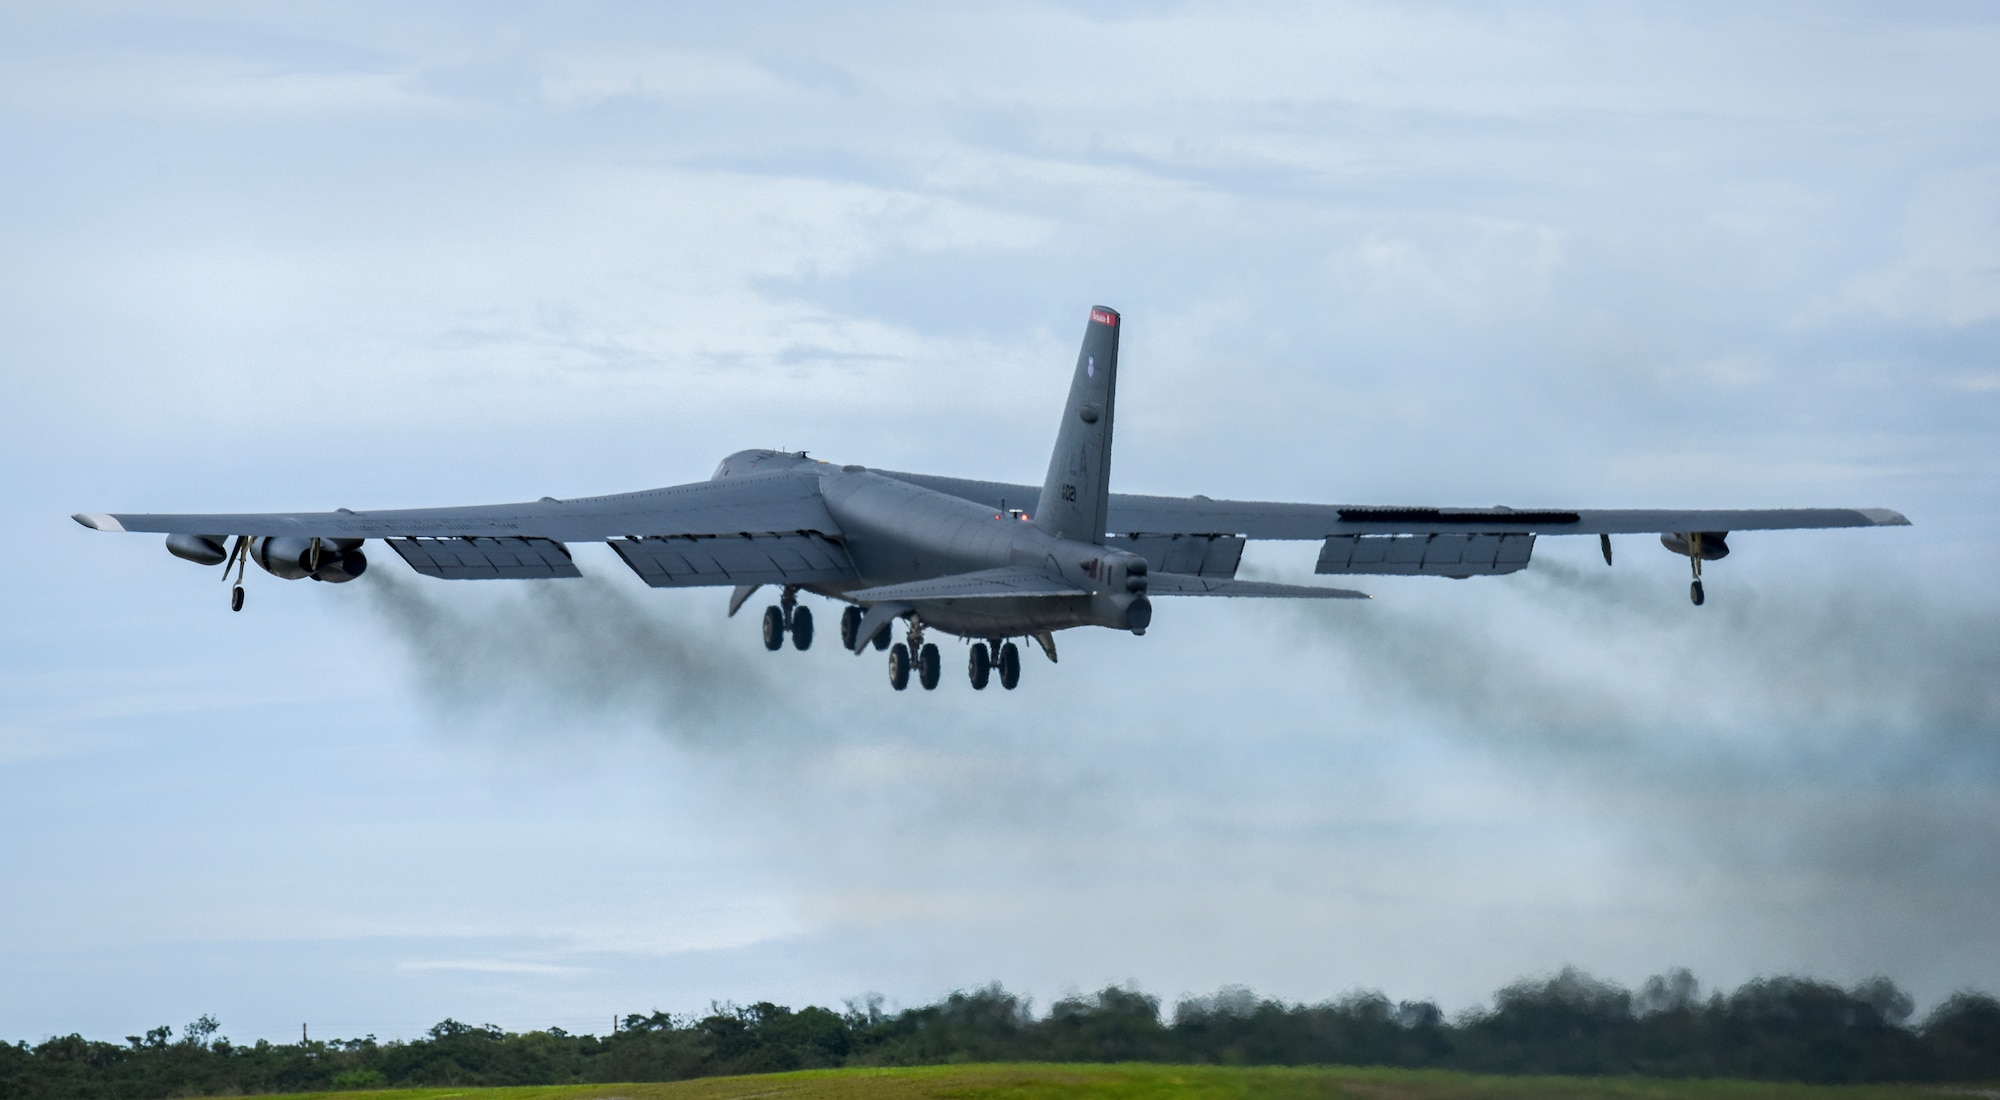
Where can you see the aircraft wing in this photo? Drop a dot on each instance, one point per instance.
(730, 506)
(1266, 520)
(1132, 514)
(743, 530)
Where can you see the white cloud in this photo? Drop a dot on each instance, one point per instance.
(1947, 264)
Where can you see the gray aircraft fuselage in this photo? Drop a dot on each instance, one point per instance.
(896, 532)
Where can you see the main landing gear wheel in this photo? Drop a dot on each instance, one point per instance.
(850, 628)
(980, 666)
(774, 628)
(929, 666)
(236, 598)
(1695, 593)
(899, 666)
(802, 628)
(1010, 666)
(882, 638)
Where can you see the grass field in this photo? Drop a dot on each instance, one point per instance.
(1144, 1082)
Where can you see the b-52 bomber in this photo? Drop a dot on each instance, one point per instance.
(984, 561)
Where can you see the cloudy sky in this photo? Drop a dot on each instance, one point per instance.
(1620, 255)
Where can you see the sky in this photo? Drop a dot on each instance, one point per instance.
(1617, 255)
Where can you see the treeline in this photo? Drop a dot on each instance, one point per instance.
(1772, 1028)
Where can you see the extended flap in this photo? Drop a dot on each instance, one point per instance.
(1449, 555)
(1193, 555)
(470, 558)
(682, 561)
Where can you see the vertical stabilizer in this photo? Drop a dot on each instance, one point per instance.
(1078, 488)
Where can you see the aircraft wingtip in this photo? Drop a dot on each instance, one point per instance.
(1886, 517)
(97, 521)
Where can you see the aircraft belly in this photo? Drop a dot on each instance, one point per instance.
(1004, 617)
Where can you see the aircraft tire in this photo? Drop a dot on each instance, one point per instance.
(882, 638)
(774, 628)
(236, 598)
(929, 666)
(899, 666)
(979, 667)
(850, 627)
(1010, 666)
(1696, 594)
(802, 628)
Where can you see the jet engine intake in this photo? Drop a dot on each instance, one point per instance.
(199, 549)
(1714, 544)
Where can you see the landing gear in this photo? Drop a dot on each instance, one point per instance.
(1010, 666)
(787, 617)
(928, 666)
(239, 560)
(850, 627)
(1694, 590)
(980, 666)
(899, 666)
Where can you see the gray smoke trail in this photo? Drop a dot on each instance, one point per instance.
(1590, 662)
(573, 652)
(565, 657)
(1833, 750)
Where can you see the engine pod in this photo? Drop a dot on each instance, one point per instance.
(199, 549)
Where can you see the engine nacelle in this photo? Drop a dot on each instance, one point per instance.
(295, 558)
(1714, 544)
(1125, 574)
(340, 566)
(286, 556)
(1139, 614)
(199, 549)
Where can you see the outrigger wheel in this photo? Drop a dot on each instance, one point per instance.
(236, 598)
(774, 628)
(1695, 593)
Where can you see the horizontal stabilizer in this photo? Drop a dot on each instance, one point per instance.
(986, 584)
(1181, 584)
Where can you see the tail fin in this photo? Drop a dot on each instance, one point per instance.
(1078, 489)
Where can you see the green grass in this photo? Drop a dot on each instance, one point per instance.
(1144, 1082)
